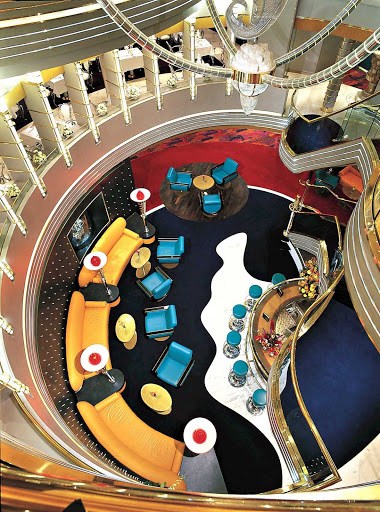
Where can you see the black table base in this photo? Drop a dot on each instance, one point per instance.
(97, 292)
(136, 224)
(98, 388)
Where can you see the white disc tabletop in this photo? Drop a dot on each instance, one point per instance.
(95, 260)
(94, 358)
(199, 435)
(140, 194)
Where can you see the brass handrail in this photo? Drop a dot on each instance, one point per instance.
(21, 489)
(311, 121)
(303, 325)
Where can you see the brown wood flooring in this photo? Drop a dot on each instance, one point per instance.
(187, 206)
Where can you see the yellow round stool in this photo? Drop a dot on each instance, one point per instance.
(126, 331)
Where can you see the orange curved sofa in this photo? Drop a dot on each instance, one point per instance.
(118, 243)
(145, 451)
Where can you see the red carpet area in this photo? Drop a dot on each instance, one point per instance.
(255, 151)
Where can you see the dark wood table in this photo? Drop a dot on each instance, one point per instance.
(187, 206)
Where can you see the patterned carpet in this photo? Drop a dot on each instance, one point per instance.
(243, 135)
(356, 78)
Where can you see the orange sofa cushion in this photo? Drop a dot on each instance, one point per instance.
(351, 178)
(142, 449)
(87, 324)
(118, 243)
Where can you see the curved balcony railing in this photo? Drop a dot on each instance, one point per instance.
(326, 473)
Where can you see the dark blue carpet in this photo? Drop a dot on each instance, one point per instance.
(303, 137)
(338, 369)
(248, 461)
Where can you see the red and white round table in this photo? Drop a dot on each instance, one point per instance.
(95, 358)
(199, 435)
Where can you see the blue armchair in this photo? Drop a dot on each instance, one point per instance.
(160, 322)
(169, 251)
(211, 204)
(179, 180)
(174, 364)
(157, 285)
(225, 173)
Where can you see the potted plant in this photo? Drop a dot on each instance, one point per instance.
(309, 279)
(101, 109)
(13, 191)
(172, 82)
(66, 132)
(38, 157)
(132, 92)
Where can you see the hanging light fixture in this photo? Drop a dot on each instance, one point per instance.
(250, 63)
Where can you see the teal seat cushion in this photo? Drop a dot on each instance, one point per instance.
(233, 338)
(170, 370)
(166, 249)
(239, 311)
(255, 291)
(155, 321)
(212, 203)
(153, 280)
(240, 368)
(278, 278)
(259, 397)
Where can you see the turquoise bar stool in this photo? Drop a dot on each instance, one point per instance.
(231, 348)
(238, 374)
(237, 322)
(257, 402)
(255, 292)
(278, 278)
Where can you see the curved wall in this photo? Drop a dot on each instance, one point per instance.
(61, 39)
(27, 256)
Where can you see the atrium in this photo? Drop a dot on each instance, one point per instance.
(189, 255)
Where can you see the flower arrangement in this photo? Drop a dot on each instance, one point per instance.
(38, 157)
(132, 92)
(66, 132)
(101, 109)
(172, 81)
(13, 190)
(308, 284)
(270, 341)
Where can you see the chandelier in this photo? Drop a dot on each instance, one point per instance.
(252, 66)
(249, 65)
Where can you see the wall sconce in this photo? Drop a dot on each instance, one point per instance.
(14, 384)
(5, 325)
(4, 267)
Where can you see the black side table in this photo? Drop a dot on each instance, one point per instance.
(136, 224)
(97, 388)
(97, 292)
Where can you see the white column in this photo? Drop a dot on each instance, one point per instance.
(114, 81)
(152, 75)
(79, 99)
(38, 105)
(14, 154)
(189, 53)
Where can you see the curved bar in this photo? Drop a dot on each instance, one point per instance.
(133, 32)
(322, 34)
(222, 32)
(371, 44)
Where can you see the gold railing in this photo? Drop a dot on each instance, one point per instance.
(308, 319)
(22, 490)
(351, 105)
